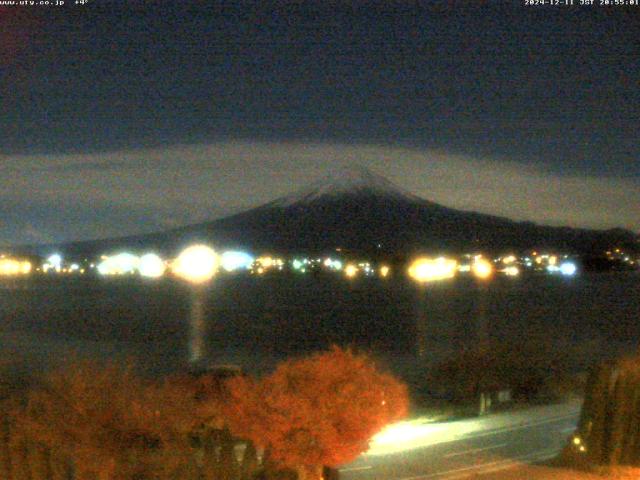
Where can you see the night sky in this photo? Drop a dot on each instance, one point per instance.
(127, 117)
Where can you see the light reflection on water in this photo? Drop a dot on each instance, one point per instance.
(255, 322)
(197, 326)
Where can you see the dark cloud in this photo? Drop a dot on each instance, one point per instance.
(556, 87)
(161, 116)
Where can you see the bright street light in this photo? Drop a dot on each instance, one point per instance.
(482, 268)
(151, 266)
(351, 271)
(568, 269)
(235, 260)
(425, 270)
(119, 264)
(196, 264)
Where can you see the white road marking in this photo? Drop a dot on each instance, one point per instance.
(568, 430)
(355, 469)
(475, 450)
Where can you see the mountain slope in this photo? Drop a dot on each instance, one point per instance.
(360, 210)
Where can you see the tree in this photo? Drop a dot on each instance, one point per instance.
(315, 411)
(111, 423)
(528, 368)
(609, 427)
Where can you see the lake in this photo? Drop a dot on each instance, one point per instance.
(256, 321)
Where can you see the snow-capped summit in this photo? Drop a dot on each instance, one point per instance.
(351, 180)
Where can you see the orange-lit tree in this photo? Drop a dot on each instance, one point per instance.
(110, 423)
(213, 445)
(315, 411)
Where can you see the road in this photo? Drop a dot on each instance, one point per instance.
(416, 450)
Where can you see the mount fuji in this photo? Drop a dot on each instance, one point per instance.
(359, 211)
(351, 181)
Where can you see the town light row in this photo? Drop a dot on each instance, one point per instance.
(199, 263)
(426, 270)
